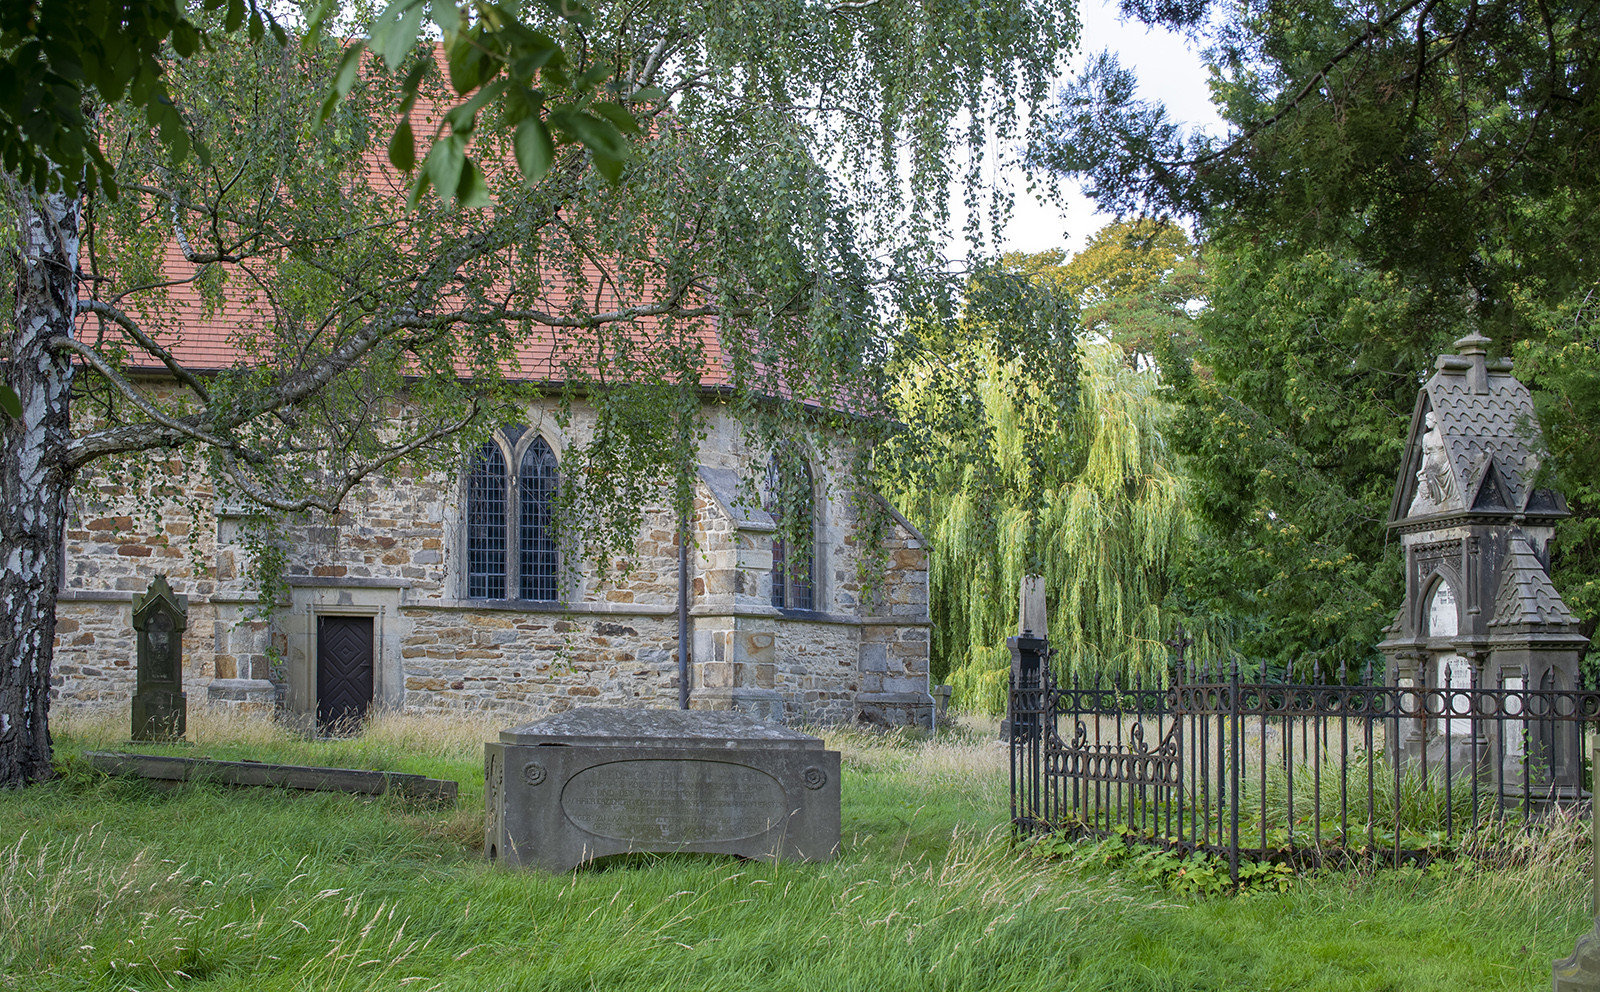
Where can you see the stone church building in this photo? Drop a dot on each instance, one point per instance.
(449, 592)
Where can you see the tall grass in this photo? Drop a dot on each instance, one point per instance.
(109, 884)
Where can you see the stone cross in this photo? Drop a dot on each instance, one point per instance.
(160, 708)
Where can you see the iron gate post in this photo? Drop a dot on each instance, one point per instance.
(1023, 727)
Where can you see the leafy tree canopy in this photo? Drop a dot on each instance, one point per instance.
(65, 58)
(1134, 283)
(1393, 175)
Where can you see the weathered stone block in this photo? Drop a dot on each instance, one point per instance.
(600, 781)
(1581, 971)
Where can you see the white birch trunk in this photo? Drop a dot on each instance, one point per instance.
(35, 476)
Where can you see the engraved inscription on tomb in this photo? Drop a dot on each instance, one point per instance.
(674, 801)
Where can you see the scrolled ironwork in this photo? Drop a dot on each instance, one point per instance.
(1308, 771)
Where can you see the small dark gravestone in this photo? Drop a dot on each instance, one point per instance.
(160, 708)
(599, 781)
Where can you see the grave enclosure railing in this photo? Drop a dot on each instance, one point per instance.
(1280, 769)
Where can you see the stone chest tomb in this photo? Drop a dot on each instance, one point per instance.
(599, 781)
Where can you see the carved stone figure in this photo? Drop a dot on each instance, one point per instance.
(1436, 484)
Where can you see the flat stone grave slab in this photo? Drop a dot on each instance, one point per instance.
(163, 768)
(599, 781)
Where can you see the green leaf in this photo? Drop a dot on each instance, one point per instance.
(419, 188)
(403, 148)
(235, 16)
(447, 16)
(594, 76)
(257, 29)
(526, 56)
(445, 162)
(535, 149)
(343, 79)
(394, 32)
(570, 10)
(618, 115)
(315, 19)
(593, 133)
(467, 62)
(556, 76)
(10, 402)
(609, 166)
(410, 85)
(474, 189)
(185, 39)
(462, 118)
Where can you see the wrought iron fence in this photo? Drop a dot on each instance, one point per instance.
(1277, 769)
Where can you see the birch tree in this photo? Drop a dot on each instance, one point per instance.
(784, 196)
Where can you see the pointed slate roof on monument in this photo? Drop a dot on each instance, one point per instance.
(1474, 442)
(1526, 594)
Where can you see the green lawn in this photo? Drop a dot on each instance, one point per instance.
(108, 884)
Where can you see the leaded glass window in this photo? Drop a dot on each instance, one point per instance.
(513, 510)
(536, 530)
(486, 525)
(789, 498)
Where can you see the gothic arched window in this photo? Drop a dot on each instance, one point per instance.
(536, 526)
(789, 497)
(508, 510)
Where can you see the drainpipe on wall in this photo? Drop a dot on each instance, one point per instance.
(683, 612)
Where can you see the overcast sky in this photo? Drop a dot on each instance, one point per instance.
(1167, 70)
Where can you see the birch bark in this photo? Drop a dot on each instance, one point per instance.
(35, 473)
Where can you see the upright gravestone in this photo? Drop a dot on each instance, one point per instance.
(1480, 610)
(160, 708)
(1025, 703)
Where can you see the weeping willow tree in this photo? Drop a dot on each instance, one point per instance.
(1089, 499)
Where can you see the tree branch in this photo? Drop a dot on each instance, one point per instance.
(329, 502)
(1305, 91)
(122, 320)
(186, 427)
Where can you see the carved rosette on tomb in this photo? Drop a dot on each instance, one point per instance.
(1480, 610)
(160, 707)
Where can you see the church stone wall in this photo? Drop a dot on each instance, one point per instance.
(395, 554)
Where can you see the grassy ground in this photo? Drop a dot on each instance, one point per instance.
(108, 884)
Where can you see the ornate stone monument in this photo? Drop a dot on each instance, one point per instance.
(1479, 608)
(599, 781)
(160, 708)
